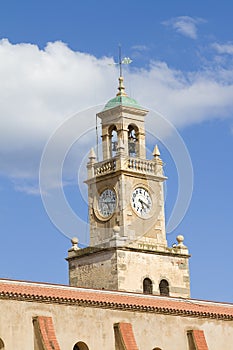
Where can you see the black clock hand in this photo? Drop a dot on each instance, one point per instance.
(142, 203)
(147, 205)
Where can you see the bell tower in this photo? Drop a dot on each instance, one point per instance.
(128, 249)
(125, 189)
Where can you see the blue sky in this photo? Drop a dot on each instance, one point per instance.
(56, 60)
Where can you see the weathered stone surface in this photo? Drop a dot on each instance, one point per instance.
(125, 269)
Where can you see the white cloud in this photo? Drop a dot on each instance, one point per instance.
(140, 48)
(185, 25)
(140, 52)
(40, 89)
(223, 48)
(28, 188)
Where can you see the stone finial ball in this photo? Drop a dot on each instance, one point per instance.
(74, 240)
(116, 229)
(180, 239)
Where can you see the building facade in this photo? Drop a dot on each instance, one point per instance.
(128, 290)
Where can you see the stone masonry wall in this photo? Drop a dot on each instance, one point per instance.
(134, 266)
(97, 270)
(125, 269)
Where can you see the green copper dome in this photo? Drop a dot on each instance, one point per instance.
(121, 100)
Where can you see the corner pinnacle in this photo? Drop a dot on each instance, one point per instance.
(92, 154)
(156, 152)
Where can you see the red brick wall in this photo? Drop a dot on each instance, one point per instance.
(197, 340)
(46, 332)
(124, 336)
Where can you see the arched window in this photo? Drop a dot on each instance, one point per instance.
(157, 349)
(113, 140)
(1, 345)
(164, 287)
(132, 141)
(80, 346)
(147, 286)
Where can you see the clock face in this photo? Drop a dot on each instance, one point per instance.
(141, 201)
(107, 203)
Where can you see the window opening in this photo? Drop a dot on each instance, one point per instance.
(164, 287)
(80, 346)
(1, 344)
(147, 286)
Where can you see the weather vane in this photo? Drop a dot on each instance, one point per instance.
(121, 61)
(125, 60)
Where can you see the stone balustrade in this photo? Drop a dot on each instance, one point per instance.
(105, 167)
(146, 166)
(129, 163)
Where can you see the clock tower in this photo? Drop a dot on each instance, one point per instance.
(128, 249)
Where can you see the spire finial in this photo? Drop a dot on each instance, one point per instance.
(121, 87)
(121, 61)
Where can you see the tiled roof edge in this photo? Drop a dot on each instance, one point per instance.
(114, 305)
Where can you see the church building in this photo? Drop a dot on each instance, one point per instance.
(128, 290)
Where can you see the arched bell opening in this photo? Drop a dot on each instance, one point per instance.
(133, 140)
(113, 140)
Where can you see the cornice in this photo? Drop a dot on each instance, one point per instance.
(98, 250)
(115, 300)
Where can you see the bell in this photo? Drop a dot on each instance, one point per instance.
(114, 146)
(132, 147)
